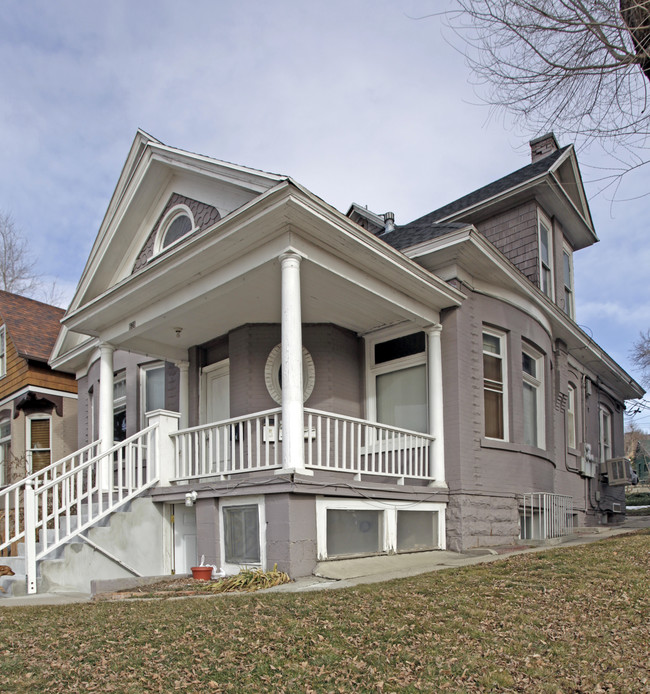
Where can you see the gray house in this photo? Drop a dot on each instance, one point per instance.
(263, 379)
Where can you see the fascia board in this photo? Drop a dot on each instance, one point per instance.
(378, 248)
(134, 173)
(180, 256)
(73, 359)
(563, 327)
(570, 156)
(274, 209)
(530, 185)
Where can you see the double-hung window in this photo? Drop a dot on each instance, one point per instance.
(152, 388)
(571, 421)
(398, 382)
(545, 256)
(605, 434)
(494, 385)
(532, 366)
(567, 268)
(39, 442)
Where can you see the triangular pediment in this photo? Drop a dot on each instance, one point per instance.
(567, 174)
(155, 177)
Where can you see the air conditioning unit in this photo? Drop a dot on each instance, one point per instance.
(617, 470)
(588, 466)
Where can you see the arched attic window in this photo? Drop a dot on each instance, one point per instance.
(177, 224)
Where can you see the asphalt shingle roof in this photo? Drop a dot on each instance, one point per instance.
(32, 325)
(429, 227)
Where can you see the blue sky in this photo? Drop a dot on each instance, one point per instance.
(355, 99)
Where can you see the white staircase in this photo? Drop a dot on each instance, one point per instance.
(44, 514)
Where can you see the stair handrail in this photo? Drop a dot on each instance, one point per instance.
(17, 489)
(93, 494)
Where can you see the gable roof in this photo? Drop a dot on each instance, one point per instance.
(32, 325)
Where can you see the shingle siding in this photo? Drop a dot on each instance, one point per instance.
(514, 233)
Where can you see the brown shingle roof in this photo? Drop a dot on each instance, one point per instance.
(32, 325)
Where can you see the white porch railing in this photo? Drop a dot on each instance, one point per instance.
(332, 442)
(546, 516)
(240, 444)
(50, 507)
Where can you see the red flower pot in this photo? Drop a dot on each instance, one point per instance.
(202, 573)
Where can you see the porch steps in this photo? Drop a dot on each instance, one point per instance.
(16, 585)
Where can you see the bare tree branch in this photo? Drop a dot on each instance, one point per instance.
(579, 67)
(18, 270)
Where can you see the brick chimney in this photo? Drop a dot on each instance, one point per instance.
(541, 146)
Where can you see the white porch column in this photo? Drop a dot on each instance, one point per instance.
(436, 411)
(293, 437)
(105, 413)
(106, 397)
(184, 393)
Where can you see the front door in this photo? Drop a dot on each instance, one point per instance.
(185, 547)
(215, 392)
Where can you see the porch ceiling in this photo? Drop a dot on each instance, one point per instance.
(252, 298)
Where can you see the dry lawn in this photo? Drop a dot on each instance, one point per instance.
(563, 620)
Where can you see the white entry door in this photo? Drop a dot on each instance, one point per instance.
(185, 547)
(215, 392)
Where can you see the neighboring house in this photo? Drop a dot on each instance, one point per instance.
(322, 385)
(642, 460)
(38, 406)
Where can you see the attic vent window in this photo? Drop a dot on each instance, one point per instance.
(177, 224)
(180, 226)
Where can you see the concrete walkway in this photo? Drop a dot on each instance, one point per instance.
(344, 573)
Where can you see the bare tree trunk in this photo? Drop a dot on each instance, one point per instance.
(636, 15)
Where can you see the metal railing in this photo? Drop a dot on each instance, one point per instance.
(332, 442)
(546, 516)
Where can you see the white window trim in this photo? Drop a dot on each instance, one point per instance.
(543, 220)
(501, 336)
(261, 508)
(538, 382)
(167, 221)
(372, 370)
(604, 422)
(389, 508)
(144, 369)
(5, 461)
(571, 309)
(28, 437)
(3, 351)
(272, 374)
(572, 388)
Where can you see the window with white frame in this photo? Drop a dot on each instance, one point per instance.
(605, 434)
(5, 449)
(3, 351)
(567, 271)
(494, 385)
(178, 223)
(397, 383)
(119, 406)
(349, 527)
(152, 388)
(532, 366)
(571, 419)
(242, 532)
(39, 442)
(545, 256)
